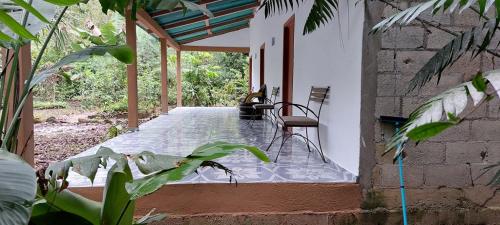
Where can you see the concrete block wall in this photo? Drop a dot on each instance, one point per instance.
(443, 171)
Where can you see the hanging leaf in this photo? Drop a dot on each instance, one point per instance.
(428, 130)
(18, 189)
(428, 120)
(14, 26)
(475, 41)
(322, 12)
(407, 16)
(31, 9)
(64, 2)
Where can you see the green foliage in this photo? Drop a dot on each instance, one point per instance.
(209, 79)
(18, 189)
(54, 203)
(322, 12)
(428, 130)
(50, 105)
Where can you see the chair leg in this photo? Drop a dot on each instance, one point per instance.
(282, 144)
(274, 138)
(307, 141)
(320, 148)
(254, 114)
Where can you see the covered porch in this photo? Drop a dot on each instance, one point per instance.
(186, 128)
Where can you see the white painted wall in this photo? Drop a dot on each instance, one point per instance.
(240, 38)
(331, 56)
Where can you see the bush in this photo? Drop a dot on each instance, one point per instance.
(50, 105)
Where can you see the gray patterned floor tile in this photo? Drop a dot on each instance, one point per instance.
(184, 129)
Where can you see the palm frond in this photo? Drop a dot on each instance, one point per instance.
(322, 11)
(475, 40)
(444, 111)
(273, 6)
(405, 17)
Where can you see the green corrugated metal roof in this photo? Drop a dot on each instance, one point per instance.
(191, 25)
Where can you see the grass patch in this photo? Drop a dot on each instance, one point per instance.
(50, 105)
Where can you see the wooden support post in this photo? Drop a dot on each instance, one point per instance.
(164, 76)
(25, 138)
(133, 111)
(25, 142)
(179, 80)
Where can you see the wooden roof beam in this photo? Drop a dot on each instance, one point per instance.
(216, 14)
(214, 35)
(145, 19)
(209, 27)
(214, 49)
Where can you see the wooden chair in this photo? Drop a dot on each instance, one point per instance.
(309, 119)
(246, 104)
(268, 105)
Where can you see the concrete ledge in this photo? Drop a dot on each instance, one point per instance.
(192, 199)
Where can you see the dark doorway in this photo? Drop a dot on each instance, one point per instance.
(288, 50)
(262, 63)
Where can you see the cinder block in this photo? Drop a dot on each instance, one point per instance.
(386, 85)
(410, 104)
(465, 152)
(436, 39)
(454, 176)
(494, 108)
(409, 63)
(466, 18)
(441, 18)
(407, 37)
(388, 176)
(422, 197)
(480, 175)
(381, 157)
(389, 106)
(485, 130)
(468, 65)
(441, 84)
(425, 153)
(482, 195)
(386, 60)
(493, 155)
(460, 132)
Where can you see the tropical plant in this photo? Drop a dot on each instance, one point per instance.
(20, 21)
(16, 33)
(46, 200)
(449, 108)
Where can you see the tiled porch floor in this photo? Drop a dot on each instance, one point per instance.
(183, 129)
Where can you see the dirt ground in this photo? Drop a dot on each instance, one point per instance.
(62, 133)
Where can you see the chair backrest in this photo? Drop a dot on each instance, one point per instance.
(274, 94)
(318, 95)
(263, 90)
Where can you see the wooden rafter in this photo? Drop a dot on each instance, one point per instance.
(214, 35)
(216, 14)
(145, 19)
(214, 49)
(210, 27)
